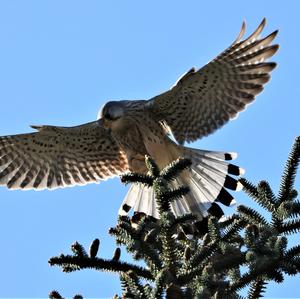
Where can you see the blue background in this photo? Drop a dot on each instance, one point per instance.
(60, 61)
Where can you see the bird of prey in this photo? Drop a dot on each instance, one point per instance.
(198, 104)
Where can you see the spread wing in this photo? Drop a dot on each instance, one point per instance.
(204, 100)
(59, 157)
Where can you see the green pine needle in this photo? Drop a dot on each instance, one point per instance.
(251, 215)
(293, 252)
(173, 170)
(144, 179)
(290, 227)
(186, 265)
(78, 249)
(257, 288)
(55, 295)
(99, 264)
(289, 174)
(152, 167)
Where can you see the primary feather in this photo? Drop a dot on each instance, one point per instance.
(204, 100)
(199, 103)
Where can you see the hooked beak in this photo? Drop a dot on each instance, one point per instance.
(102, 123)
(105, 124)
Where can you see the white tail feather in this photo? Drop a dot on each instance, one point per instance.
(206, 179)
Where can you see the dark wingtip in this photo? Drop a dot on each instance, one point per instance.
(275, 48)
(272, 65)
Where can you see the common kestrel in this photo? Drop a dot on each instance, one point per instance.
(198, 104)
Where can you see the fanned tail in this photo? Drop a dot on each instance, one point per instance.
(208, 178)
(142, 199)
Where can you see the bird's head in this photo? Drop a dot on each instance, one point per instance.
(111, 112)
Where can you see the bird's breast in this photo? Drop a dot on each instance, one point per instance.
(144, 136)
(158, 145)
(127, 134)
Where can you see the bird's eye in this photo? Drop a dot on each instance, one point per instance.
(108, 116)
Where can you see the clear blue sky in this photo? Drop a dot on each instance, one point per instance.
(60, 61)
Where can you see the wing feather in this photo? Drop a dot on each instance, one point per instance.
(204, 100)
(59, 156)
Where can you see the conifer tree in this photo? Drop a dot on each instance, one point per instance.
(206, 264)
